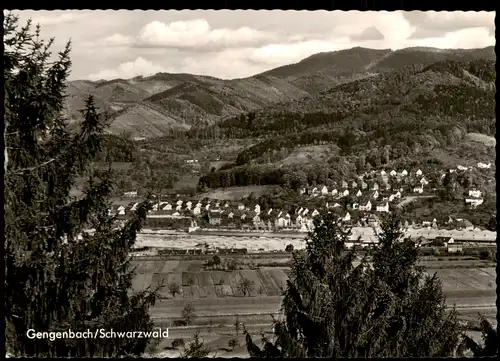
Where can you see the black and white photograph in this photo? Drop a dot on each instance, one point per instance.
(249, 183)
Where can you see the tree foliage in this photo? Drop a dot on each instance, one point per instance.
(337, 305)
(58, 275)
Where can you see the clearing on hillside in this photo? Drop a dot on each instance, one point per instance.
(235, 193)
(482, 138)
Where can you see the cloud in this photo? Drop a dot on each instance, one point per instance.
(114, 40)
(130, 69)
(434, 24)
(371, 33)
(197, 34)
(57, 17)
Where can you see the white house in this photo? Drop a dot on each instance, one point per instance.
(302, 191)
(474, 202)
(241, 206)
(168, 207)
(280, 222)
(404, 173)
(257, 209)
(269, 211)
(344, 184)
(364, 185)
(382, 172)
(305, 212)
(397, 194)
(375, 187)
(121, 210)
(207, 206)
(418, 189)
(359, 193)
(419, 172)
(324, 190)
(474, 193)
(196, 210)
(391, 198)
(383, 207)
(461, 167)
(179, 203)
(366, 207)
(230, 215)
(189, 204)
(393, 173)
(346, 193)
(226, 205)
(484, 165)
(347, 217)
(387, 187)
(298, 221)
(355, 205)
(178, 208)
(130, 194)
(155, 207)
(354, 184)
(315, 191)
(336, 205)
(452, 170)
(176, 214)
(314, 213)
(243, 216)
(334, 192)
(375, 195)
(423, 181)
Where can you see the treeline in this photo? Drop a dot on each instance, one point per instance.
(116, 148)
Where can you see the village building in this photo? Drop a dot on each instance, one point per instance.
(393, 173)
(461, 167)
(241, 206)
(474, 202)
(366, 207)
(334, 192)
(483, 165)
(346, 193)
(474, 193)
(344, 184)
(384, 207)
(419, 172)
(404, 173)
(354, 184)
(359, 193)
(364, 185)
(132, 194)
(375, 187)
(324, 190)
(196, 210)
(418, 189)
(314, 213)
(375, 195)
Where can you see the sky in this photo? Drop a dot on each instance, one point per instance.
(108, 44)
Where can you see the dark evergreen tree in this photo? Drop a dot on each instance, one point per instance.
(58, 274)
(386, 307)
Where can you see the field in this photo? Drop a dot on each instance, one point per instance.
(218, 301)
(305, 155)
(187, 181)
(234, 193)
(482, 138)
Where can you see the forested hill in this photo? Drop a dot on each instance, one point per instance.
(164, 103)
(410, 113)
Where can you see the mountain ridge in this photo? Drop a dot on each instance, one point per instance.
(183, 100)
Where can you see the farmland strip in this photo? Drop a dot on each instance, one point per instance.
(252, 276)
(234, 279)
(269, 283)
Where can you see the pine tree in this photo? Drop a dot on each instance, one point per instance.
(384, 307)
(58, 274)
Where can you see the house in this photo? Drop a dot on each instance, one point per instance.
(226, 205)
(315, 191)
(132, 194)
(393, 173)
(298, 221)
(243, 216)
(324, 190)
(168, 207)
(387, 187)
(121, 210)
(336, 205)
(474, 202)
(314, 213)
(375, 195)
(461, 167)
(305, 212)
(454, 248)
(423, 181)
(383, 173)
(404, 173)
(207, 206)
(241, 206)
(366, 207)
(375, 187)
(198, 204)
(418, 173)
(418, 189)
(383, 207)
(214, 218)
(452, 170)
(355, 206)
(354, 184)
(134, 207)
(230, 215)
(217, 204)
(373, 220)
(345, 193)
(364, 185)
(334, 192)
(344, 184)
(196, 210)
(256, 220)
(483, 165)
(391, 198)
(397, 194)
(302, 191)
(359, 193)
(347, 217)
(178, 208)
(474, 193)
(269, 211)
(257, 209)
(179, 203)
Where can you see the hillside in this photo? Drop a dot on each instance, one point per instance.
(184, 100)
(416, 115)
